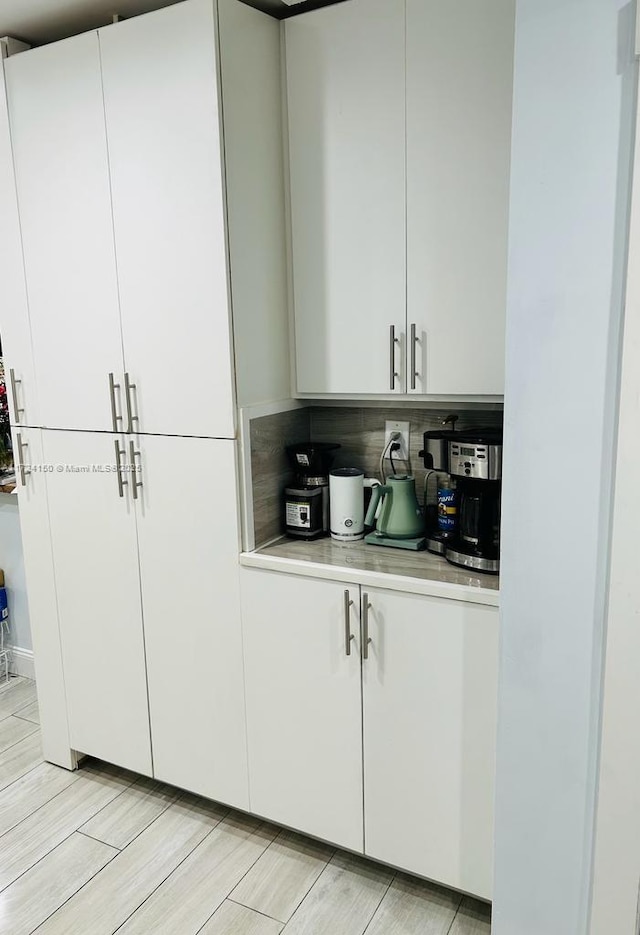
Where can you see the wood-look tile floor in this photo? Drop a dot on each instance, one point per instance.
(101, 851)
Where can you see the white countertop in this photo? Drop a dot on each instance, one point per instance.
(375, 566)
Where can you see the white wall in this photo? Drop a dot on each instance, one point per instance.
(617, 844)
(571, 156)
(12, 563)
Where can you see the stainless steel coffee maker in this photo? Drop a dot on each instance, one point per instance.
(475, 461)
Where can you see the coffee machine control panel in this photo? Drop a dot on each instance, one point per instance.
(475, 460)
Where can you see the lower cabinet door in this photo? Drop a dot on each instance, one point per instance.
(188, 533)
(303, 704)
(430, 705)
(95, 554)
(41, 590)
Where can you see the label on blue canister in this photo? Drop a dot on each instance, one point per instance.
(447, 509)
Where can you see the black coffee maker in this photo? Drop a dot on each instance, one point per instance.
(475, 460)
(306, 500)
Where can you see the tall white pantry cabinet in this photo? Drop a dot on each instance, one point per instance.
(132, 206)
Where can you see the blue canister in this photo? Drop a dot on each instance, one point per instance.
(4, 607)
(447, 507)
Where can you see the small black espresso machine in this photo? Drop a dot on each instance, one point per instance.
(475, 461)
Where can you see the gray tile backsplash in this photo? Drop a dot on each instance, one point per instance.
(270, 468)
(360, 432)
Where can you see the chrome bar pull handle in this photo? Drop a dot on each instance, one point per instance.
(14, 391)
(414, 341)
(119, 453)
(393, 375)
(128, 387)
(348, 635)
(115, 418)
(24, 471)
(135, 484)
(366, 639)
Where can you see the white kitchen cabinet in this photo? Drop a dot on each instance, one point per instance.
(95, 553)
(303, 704)
(62, 177)
(345, 68)
(430, 710)
(123, 226)
(459, 96)
(399, 155)
(146, 575)
(187, 518)
(15, 333)
(162, 116)
(41, 590)
(421, 680)
(118, 148)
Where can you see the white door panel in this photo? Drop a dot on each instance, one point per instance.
(161, 105)
(95, 550)
(430, 712)
(189, 543)
(60, 150)
(459, 96)
(41, 591)
(303, 705)
(15, 333)
(346, 97)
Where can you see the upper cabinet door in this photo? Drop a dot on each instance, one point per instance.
(162, 113)
(459, 95)
(62, 177)
(346, 103)
(15, 334)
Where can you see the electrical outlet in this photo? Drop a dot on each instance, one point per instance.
(403, 427)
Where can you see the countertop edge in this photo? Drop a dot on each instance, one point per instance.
(390, 582)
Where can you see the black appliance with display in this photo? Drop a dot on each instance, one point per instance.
(306, 499)
(475, 461)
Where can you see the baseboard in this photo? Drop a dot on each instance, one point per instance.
(21, 662)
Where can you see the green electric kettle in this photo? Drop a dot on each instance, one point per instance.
(400, 515)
